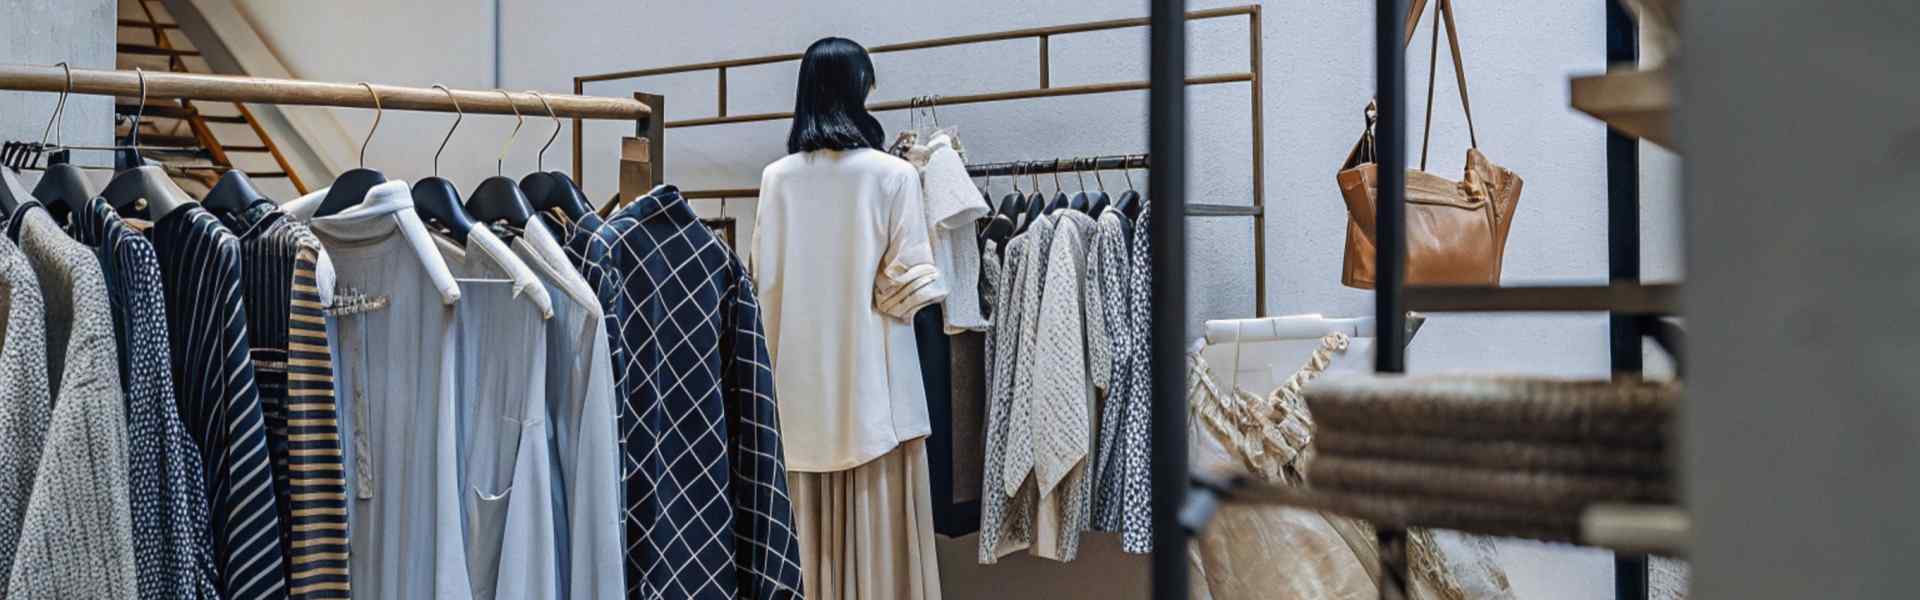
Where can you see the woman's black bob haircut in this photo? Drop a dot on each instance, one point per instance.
(830, 103)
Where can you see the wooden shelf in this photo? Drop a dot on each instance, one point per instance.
(1640, 529)
(1638, 103)
(1629, 298)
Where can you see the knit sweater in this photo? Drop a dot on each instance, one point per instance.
(25, 401)
(76, 540)
(1062, 404)
(1004, 527)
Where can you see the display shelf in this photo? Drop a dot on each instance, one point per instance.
(1638, 103)
(1619, 297)
(1640, 529)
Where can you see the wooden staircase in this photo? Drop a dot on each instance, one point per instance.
(197, 142)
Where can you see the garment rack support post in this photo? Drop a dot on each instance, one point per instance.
(1254, 33)
(1390, 349)
(1166, 228)
(1630, 573)
(654, 131)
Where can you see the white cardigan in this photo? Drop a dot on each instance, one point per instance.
(841, 258)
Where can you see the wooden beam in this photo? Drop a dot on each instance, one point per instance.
(193, 86)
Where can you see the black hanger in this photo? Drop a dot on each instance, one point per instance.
(995, 226)
(129, 157)
(23, 155)
(573, 204)
(1130, 201)
(1080, 200)
(547, 190)
(1017, 199)
(63, 189)
(1060, 199)
(1099, 202)
(351, 187)
(12, 193)
(141, 190)
(144, 192)
(232, 195)
(499, 198)
(434, 198)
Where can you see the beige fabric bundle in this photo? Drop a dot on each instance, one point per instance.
(1250, 552)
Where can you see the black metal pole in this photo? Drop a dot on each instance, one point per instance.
(1390, 245)
(1167, 149)
(1390, 232)
(1623, 261)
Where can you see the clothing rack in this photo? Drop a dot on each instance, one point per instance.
(1626, 300)
(262, 90)
(1256, 209)
(997, 169)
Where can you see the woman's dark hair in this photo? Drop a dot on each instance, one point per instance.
(830, 103)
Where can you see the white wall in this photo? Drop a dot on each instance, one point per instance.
(1318, 61)
(44, 32)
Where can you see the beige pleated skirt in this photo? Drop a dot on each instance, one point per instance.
(866, 533)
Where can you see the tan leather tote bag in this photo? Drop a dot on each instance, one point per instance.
(1456, 230)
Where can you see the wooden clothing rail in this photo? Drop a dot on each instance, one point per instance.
(260, 90)
(1256, 208)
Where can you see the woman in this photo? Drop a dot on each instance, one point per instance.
(841, 257)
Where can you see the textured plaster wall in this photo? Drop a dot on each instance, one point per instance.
(1318, 61)
(49, 31)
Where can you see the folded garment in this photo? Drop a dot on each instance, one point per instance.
(1629, 412)
(1572, 458)
(1503, 487)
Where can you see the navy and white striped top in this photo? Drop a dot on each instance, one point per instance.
(214, 384)
(293, 362)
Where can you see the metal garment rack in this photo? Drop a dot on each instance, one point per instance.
(261, 90)
(1628, 302)
(1013, 169)
(1044, 35)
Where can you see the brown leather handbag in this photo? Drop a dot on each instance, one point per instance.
(1456, 230)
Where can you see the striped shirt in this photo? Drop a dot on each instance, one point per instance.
(213, 379)
(294, 364)
(172, 554)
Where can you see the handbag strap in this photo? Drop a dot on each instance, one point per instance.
(1444, 14)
